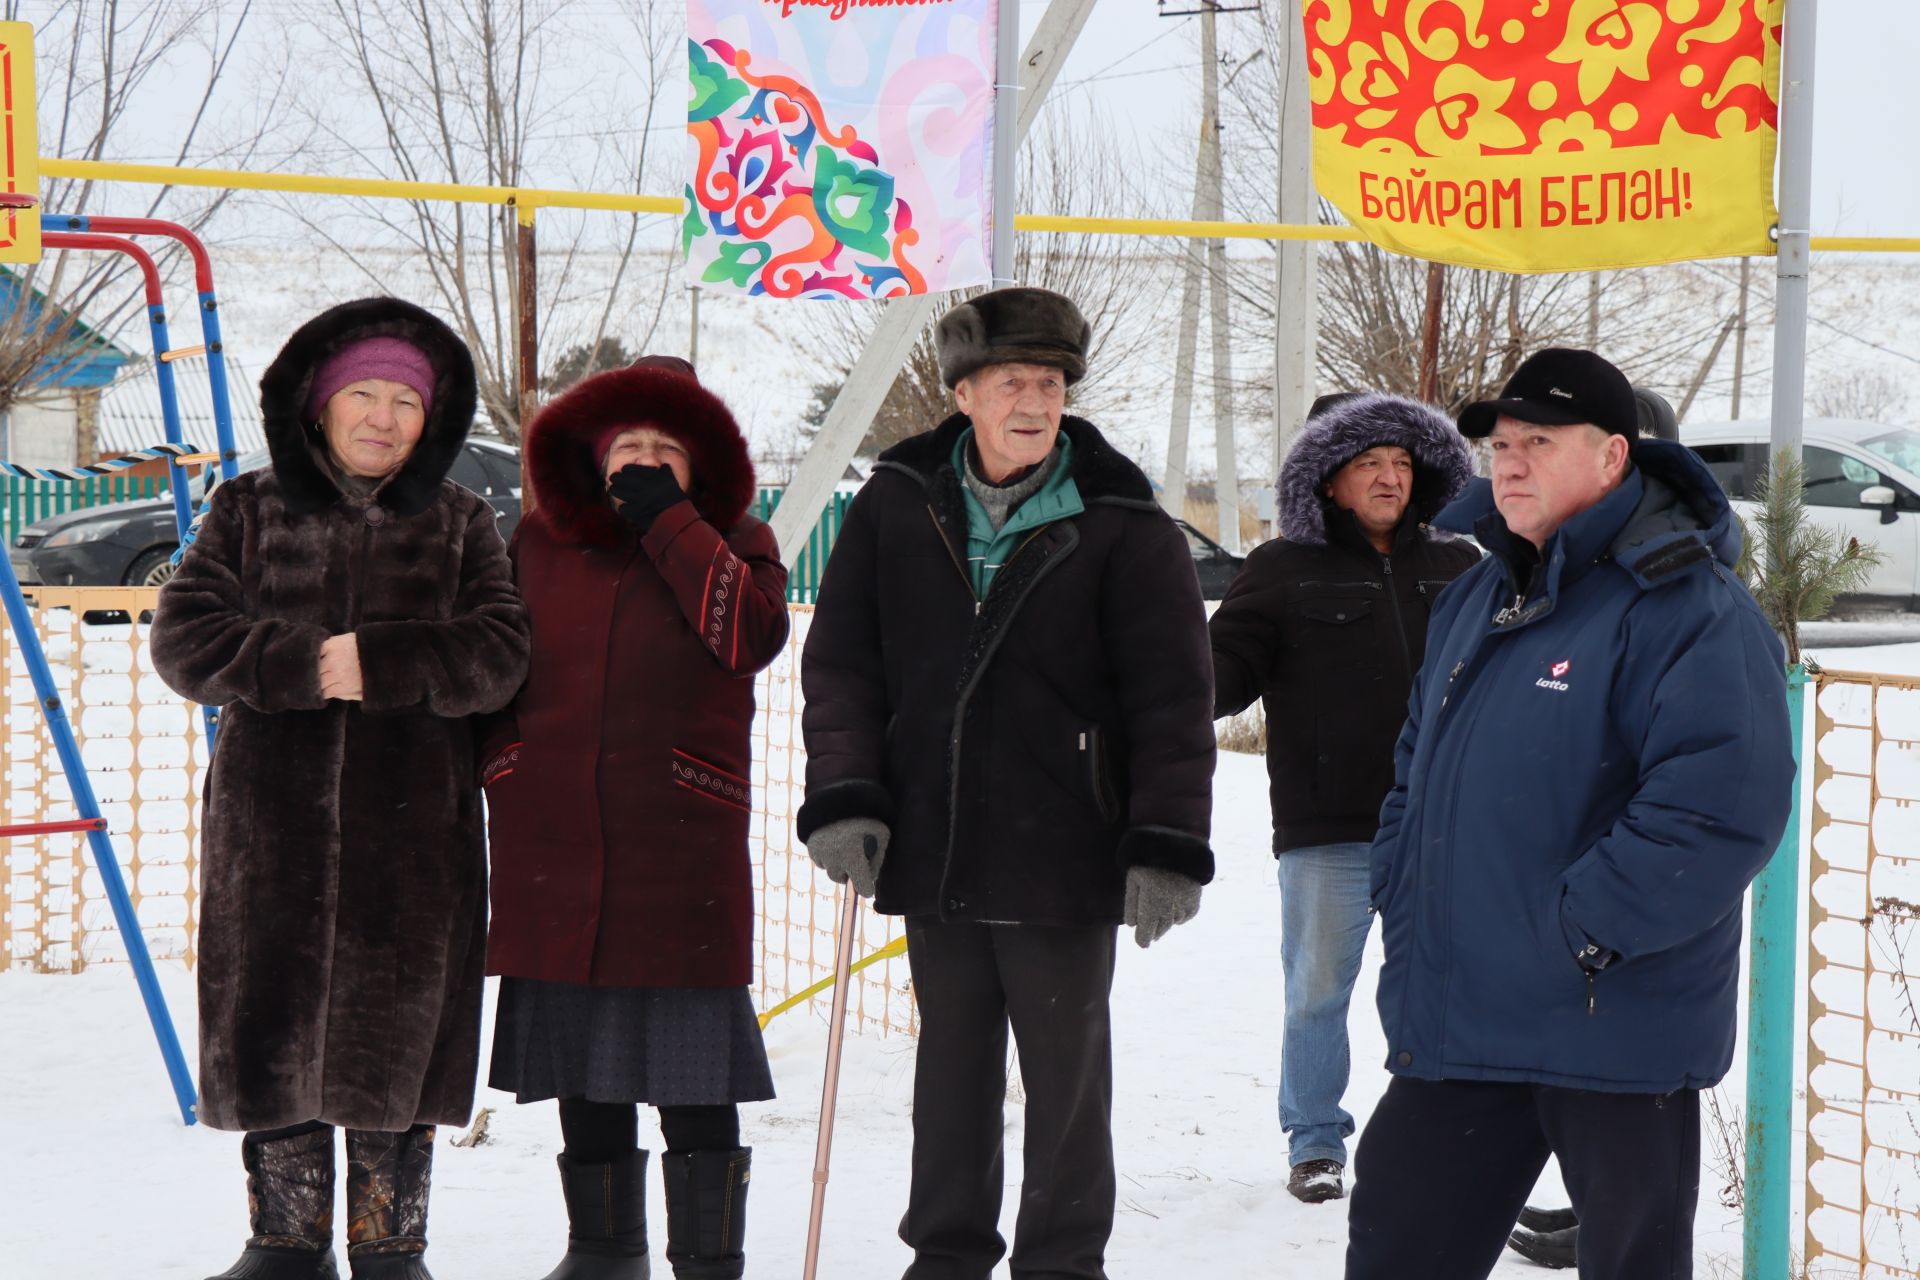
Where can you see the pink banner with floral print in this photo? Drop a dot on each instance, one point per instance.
(839, 148)
(1548, 135)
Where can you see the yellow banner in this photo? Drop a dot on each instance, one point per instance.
(1548, 135)
(19, 144)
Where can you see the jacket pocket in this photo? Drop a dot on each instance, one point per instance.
(1318, 584)
(711, 781)
(1106, 798)
(1336, 613)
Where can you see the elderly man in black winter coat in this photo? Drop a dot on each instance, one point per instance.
(1009, 743)
(1327, 626)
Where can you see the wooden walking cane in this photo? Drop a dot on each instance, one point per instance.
(830, 1093)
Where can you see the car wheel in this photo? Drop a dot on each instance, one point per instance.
(151, 568)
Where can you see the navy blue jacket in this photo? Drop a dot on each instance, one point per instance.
(1589, 777)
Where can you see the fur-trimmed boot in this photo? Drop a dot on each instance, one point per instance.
(707, 1212)
(289, 1208)
(606, 1219)
(389, 1176)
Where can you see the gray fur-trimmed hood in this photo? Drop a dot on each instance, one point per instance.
(1442, 460)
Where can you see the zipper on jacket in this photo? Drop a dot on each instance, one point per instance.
(973, 682)
(1590, 974)
(940, 533)
(1399, 623)
(1342, 586)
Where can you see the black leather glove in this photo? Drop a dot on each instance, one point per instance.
(643, 493)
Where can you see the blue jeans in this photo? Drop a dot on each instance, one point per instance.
(1323, 933)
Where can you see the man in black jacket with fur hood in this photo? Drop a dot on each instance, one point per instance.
(1327, 626)
(1008, 736)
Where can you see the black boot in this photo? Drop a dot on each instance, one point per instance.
(389, 1176)
(606, 1219)
(707, 1212)
(1542, 1220)
(1557, 1250)
(289, 1208)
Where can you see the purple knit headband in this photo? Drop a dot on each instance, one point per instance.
(394, 359)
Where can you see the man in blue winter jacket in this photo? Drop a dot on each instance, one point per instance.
(1596, 763)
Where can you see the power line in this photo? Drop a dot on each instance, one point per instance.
(1849, 334)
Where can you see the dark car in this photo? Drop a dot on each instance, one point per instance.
(131, 543)
(1214, 563)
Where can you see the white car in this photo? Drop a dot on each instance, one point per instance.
(1863, 479)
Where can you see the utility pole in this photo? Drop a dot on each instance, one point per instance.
(1740, 335)
(1173, 494)
(527, 353)
(1208, 206)
(1294, 261)
(1430, 333)
(1706, 367)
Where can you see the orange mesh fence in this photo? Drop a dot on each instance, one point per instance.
(145, 748)
(1863, 973)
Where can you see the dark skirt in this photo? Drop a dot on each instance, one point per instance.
(662, 1046)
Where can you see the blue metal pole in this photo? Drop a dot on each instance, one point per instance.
(217, 372)
(102, 844)
(170, 414)
(1773, 953)
(223, 430)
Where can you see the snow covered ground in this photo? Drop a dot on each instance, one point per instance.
(99, 1179)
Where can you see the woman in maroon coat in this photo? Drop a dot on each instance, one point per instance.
(617, 787)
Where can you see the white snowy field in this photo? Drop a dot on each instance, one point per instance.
(99, 1179)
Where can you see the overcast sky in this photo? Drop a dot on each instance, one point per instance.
(1866, 167)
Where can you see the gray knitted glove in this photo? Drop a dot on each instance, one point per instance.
(851, 849)
(1157, 900)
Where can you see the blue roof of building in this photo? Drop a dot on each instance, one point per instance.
(89, 360)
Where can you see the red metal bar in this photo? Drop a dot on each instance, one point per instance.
(52, 828)
(114, 244)
(202, 263)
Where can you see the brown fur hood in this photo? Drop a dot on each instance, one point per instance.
(304, 480)
(570, 495)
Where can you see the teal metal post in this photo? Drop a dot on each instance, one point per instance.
(1773, 953)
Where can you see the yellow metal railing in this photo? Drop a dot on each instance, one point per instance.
(528, 200)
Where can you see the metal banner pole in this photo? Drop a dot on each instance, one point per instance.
(1006, 136)
(1773, 951)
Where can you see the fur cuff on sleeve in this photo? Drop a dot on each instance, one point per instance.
(390, 674)
(854, 798)
(1169, 850)
(289, 671)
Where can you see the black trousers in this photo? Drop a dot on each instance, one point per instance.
(601, 1132)
(1445, 1166)
(1052, 985)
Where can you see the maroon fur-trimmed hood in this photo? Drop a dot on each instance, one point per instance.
(570, 495)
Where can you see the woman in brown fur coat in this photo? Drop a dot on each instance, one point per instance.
(618, 791)
(352, 610)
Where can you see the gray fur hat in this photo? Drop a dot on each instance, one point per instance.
(1021, 325)
(1340, 429)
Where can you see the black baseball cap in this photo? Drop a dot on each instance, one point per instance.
(1558, 387)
